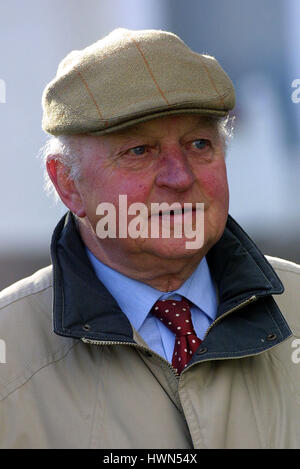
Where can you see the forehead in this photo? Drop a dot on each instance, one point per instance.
(178, 126)
(181, 123)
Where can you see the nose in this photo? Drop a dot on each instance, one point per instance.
(174, 171)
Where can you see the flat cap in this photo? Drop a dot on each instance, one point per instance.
(130, 77)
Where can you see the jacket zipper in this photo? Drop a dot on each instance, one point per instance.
(220, 318)
(241, 305)
(140, 347)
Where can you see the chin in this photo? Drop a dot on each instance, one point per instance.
(172, 248)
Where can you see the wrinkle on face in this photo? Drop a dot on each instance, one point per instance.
(170, 172)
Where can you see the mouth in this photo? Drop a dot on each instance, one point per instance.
(183, 211)
(176, 212)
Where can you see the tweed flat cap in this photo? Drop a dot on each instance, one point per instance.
(130, 77)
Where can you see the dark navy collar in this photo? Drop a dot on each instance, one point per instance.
(83, 307)
(239, 268)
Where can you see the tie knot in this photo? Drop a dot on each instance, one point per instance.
(176, 315)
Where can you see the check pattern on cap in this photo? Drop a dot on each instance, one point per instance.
(129, 77)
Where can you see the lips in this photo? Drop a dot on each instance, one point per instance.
(176, 212)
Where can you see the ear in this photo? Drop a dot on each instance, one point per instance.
(65, 186)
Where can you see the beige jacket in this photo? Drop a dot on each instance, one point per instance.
(62, 392)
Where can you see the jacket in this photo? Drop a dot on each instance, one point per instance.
(77, 375)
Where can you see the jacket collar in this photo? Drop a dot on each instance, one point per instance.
(82, 307)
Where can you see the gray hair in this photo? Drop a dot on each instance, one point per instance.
(64, 149)
(226, 129)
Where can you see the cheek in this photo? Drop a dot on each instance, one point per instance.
(106, 186)
(215, 186)
(136, 187)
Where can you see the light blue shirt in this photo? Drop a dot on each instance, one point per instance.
(136, 300)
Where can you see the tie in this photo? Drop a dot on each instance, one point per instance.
(176, 315)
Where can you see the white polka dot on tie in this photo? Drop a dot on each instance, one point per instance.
(156, 308)
(188, 333)
(179, 359)
(183, 309)
(191, 352)
(178, 342)
(177, 314)
(175, 353)
(166, 310)
(174, 304)
(178, 328)
(193, 341)
(185, 350)
(187, 320)
(169, 323)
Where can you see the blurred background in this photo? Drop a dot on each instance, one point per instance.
(257, 42)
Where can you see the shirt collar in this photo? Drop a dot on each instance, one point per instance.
(198, 288)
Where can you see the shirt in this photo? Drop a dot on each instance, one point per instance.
(136, 299)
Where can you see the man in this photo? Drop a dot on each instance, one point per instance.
(133, 339)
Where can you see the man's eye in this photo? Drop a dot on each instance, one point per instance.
(140, 150)
(200, 144)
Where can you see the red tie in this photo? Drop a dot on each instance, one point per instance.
(176, 315)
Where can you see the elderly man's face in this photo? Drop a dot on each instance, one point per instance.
(170, 159)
